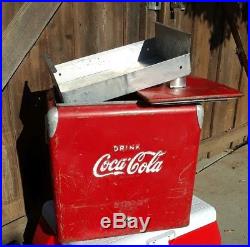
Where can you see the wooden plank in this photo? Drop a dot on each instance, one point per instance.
(22, 32)
(60, 35)
(13, 232)
(218, 144)
(241, 115)
(200, 47)
(229, 74)
(147, 22)
(142, 21)
(213, 72)
(54, 41)
(180, 20)
(240, 50)
(229, 9)
(12, 194)
(200, 60)
(243, 33)
(242, 107)
(241, 112)
(97, 27)
(164, 14)
(131, 22)
(8, 12)
(151, 19)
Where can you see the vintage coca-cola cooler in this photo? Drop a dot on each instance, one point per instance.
(202, 229)
(136, 157)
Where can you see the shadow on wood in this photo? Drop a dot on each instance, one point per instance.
(217, 15)
(33, 157)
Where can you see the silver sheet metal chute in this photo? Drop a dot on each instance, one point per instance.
(127, 69)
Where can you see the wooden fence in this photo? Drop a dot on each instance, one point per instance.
(73, 30)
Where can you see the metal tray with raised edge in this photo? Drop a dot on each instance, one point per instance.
(120, 71)
(197, 90)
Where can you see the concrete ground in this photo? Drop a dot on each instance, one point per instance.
(224, 185)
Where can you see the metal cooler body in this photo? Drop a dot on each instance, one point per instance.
(122, 158)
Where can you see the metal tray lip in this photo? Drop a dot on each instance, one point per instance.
(99, 53)
(123, 47)
(57, 66)
(66, 65)
(165, 36)
(191, 101)
(162, 95)
(79, 95)
(122, 75)
(201, 98)
(143, 64)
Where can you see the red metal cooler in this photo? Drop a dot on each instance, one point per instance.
(124, 158)
(136, 158)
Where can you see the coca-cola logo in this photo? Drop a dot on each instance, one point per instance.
(141, 162)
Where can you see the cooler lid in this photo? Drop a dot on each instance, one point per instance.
(197, 90)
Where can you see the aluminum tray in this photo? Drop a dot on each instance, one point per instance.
(126, 69)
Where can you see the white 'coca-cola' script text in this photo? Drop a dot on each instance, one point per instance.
(106, 166)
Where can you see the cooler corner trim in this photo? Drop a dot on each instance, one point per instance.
(200, 114)
(52, 118)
